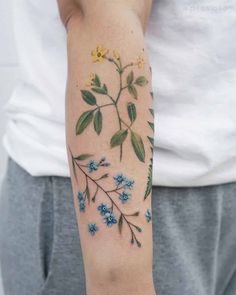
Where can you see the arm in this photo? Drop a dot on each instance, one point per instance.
(109, 137)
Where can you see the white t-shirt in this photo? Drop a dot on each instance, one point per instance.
(192, 49)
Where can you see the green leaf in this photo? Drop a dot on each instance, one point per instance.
(97, 81)
(100, 90)
(149, 182)
(105, 87)
(97, 122)
(88, 97)
(138, 244)
(83, 157)
(151, 139)
(141, 81)
(87, 192)
(74, 169)
(138, 146)
(84, 120)
(152, 112)
(104, 176)
(151, 124)
(95, 194)
(138, 228)
(118, 138)
(133, 214)
(120, 223)
(130, 78)
(131, 111)
(132, 90)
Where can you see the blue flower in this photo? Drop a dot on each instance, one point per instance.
(124, 197)
(119, 179)
(103, 209)
(92, 166)
(129, 184)
(80, 196)
(148, 215)
(110, 219)
(103, 162)
(92, 228)
(82, 206)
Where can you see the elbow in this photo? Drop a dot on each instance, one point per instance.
(78, 9)
(111, 12)
(69, 11)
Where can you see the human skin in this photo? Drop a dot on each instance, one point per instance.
(109, 130)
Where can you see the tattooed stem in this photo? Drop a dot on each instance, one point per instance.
(111, 98)
(128, 126)
(105, 105)
(116, 189)
(121, 88)
(128, 65)
(120, 120)
(114, 62)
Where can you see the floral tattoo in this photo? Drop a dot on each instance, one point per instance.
(148, 215)
(148, 190)
(111, 212)
(92, 228)
(95, 113)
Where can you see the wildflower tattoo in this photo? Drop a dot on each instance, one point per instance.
(95, 114)
(148, 190)
(99, 53)
(112, 199)
(148, 215)
(92, 228)
(112, 213)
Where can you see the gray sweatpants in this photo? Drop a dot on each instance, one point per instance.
(194, 238)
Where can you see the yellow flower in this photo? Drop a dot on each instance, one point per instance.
(140, 62)
(99, 53)
(90, 79)
(116, 54)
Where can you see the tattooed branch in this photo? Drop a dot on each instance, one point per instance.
(95, 114)
(112, 212)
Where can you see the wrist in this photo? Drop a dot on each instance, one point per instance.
(115, 288)
(121, 281)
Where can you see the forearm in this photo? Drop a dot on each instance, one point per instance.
(109, 116)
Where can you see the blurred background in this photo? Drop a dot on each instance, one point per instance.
(8, 74)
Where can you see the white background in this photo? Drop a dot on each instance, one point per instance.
(8, 73)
